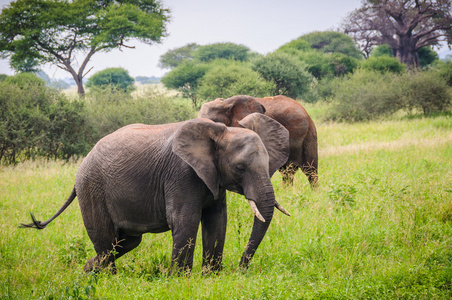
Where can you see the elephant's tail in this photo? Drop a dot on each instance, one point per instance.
(41, 225)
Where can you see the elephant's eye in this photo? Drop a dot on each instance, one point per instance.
(240, 168)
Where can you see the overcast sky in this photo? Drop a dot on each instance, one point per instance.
(261, 25)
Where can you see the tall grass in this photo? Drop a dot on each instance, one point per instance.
(379, 226)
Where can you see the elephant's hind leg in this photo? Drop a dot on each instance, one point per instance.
(310, 160)
(107, 256)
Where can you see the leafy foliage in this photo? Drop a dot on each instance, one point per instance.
(383, 64)
(175, 57)
(36, 120)
(107, 110)
(325, 42)
(117, 78)
(286, 71)
(368, 94)
(426, 91)
(226, 79)
(186, 78)
(222, 51)
(327, 54)
(365, 95)
(37, 32)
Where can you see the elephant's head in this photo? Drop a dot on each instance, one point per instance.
(241, 160)
(230, 111)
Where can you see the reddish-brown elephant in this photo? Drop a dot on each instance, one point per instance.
(288, 112)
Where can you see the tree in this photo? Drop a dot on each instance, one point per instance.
(406, 26)
(234, 78)
(326, 42)
(287, 72)
(40, 31)
(175, 57)
(118, 78)
(222, 51)
(186, 78)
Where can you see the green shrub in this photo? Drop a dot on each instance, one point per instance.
(36, 120)
(117, 78)
(369, 94)
(234, 78)
(287, 72)
(444, 69)
(383, 64)
(365, 95)
(108, 111)
(426, 91)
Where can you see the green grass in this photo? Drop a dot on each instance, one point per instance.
(378, 227)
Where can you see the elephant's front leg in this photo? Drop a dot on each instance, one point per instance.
(184, 240)
(214, 219)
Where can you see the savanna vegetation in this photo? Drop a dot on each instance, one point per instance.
(379, 226)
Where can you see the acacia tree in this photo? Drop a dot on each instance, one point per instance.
(59, 32)
(405, 25)
(175, 57)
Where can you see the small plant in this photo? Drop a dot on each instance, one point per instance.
(342, 195)
(83, 292)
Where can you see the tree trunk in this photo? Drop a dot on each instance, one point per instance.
(409, 57)
(406, 52)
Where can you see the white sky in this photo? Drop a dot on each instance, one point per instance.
(261, 25)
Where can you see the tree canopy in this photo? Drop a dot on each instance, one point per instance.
(117, 78)
(56, 32)
(175, 57)
(222, 51)
(326, 42)
(406, 26)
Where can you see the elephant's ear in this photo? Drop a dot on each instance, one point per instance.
(274, 136)
(194, 143)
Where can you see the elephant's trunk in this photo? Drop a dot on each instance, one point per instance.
(264, 205)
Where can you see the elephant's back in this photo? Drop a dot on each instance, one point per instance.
(290, 113)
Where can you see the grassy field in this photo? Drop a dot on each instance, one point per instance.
(378, 227)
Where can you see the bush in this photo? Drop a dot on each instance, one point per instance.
(108, 111)
(117, 78)
(225, 80)
(36, 120)
(426, 91)
(444, 70)
(369, 94)
(383, 64)
(365, 95)
(287, 72)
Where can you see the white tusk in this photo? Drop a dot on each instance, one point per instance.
(255, 210)
(278, 206)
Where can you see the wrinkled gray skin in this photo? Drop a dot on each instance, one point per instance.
(285, 110)
(144, 178)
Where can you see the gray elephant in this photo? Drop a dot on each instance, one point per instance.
(288, 112)
(145, 178)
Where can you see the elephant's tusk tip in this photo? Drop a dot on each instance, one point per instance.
(256, 211)
(281, 209)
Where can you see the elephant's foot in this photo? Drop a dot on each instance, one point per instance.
(96, 265)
